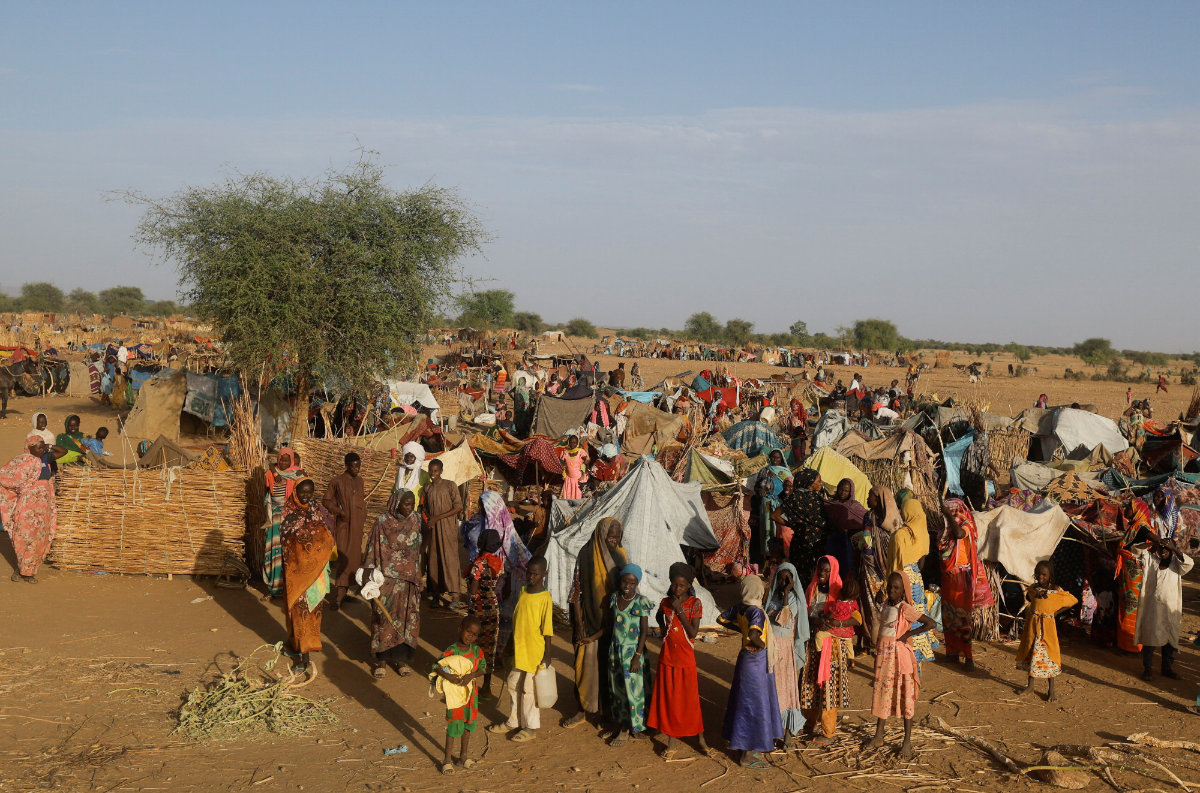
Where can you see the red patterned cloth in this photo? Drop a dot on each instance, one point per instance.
(731, 524)
(539, 451)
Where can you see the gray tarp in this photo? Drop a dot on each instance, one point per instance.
(830, 428)
(658, 515)
(1075, 428)
(1019, 540)
(558, 417)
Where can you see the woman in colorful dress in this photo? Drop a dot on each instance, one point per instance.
(394, 548)
(909, 545)
(574, 459)
(1139, 527)
(788, 613)
(308, 547)
(966, 593)
(70, 441)
(493, 514)
(27, 508)
(626, 653)
(804, 512)
(845, 516)
(281, 481)
(824, 684)
(594, 582)
(675, 706)
(752, 720)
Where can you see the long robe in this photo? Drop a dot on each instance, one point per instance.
(307, 546)
(1160, 604)
(346, 501)
(445, 569)
(394, 549)
(28, 510)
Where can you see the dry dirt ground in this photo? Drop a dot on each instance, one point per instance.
(92, 668)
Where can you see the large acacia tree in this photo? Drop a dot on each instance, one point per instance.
(339, 275)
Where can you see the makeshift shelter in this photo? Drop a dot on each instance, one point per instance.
(900, 460)
(709, 471)
(159, 403)
(647, 427)
(833, 468)
(658, 515)
(142, 522)
(1076, 428)
(539, 452)
(404, 393)
(830, 428)
(729, 513)
(1019, 539)
(556, 418)
(752, 437)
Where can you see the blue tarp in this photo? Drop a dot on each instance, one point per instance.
(752, 437)
(700, 384)
(952, 455)
(645, 397)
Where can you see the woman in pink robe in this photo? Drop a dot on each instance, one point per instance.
(27, 508)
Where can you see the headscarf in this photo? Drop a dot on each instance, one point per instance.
(633, 570)
(751, 590)
(409, 477)
(67, 439)
(805, 478)
(286, 451)
(891, 514)
(597, 566)
(45, 434)
(516, 556)
(299, 520)
(489, 541)
(846, 515)
(1170, 511)
(393, 503)
(958, 514)
(797, 605)
(911, 541)
(33, 438)
(835, 580)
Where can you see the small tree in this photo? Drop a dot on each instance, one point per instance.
(875, 334)
(738, 331)
(799, 332)
(340, 275)
(42, 296)
(162, 308)
(580, 327)
(528, 322)
(492, 308)
(81, 301)
(1095, 351)
(122, 300)
(702, 326)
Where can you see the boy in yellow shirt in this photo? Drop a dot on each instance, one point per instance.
(533, 628)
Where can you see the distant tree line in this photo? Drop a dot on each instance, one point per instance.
(129, 300)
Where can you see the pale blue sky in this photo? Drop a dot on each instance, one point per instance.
(972, 171)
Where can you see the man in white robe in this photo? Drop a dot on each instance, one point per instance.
(1160, 604)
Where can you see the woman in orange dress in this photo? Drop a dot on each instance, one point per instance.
(308, 547)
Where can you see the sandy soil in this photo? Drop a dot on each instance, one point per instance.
(92, 667)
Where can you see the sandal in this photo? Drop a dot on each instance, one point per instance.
(447, 769)
(620, 740)
(468, 764)
(499, 729)
(378, 671)
(758, 764)
(523, 736)
(669, 754)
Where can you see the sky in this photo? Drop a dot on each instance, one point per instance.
(1019, 171)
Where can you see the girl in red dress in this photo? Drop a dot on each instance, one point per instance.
(675, 707)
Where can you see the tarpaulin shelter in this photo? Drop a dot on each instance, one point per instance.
(658, 516)
(830, 428)
(899, 460)
(1075, 428)
(536, 451)
(952, 456)
(403, 393)
(647, 427)
(1019, 539)
(156, 412)
(752, 437)
(833, 468)
(556, 418)
(709, 471)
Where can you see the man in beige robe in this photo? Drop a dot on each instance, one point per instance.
(441, 504)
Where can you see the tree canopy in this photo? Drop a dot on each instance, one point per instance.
(492, 308)
(580, 327)
(122, 300)
(42, 296)
(340, 274)
(81, 301)
(703, 326)
(1095, 351)
(528, 322)
(875, 334)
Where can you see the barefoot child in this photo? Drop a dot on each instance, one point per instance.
(1038, 651)
(897, 671)
(752, 721)
(533, 628)
(675, 706)
(482, 578)
(627, 681)
(824, 686)
(455, 675)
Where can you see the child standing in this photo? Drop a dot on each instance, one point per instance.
(897, 671)
(533, 628)
(776, 555)
(627, 681)
(1038, 651)
(482, 578)
(824, 686)
(455, 675)
(752, 720)
(675, 706)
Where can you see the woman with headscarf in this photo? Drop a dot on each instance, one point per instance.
(27, 508)
(846, 518)
(966, 593)
(908, 546)
(281, 481)
(1165, 518)
(69, 440)
(40, 423)
(394, 548)
(591, 590)
(804, 512)
(675, 705)
(1139, 527)
(752, 719)
(493, 514)
(824, 683)
(409, 475)
(873, 544)
(788, 612)
(522, 407)
(308, 547)
(626, 655)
